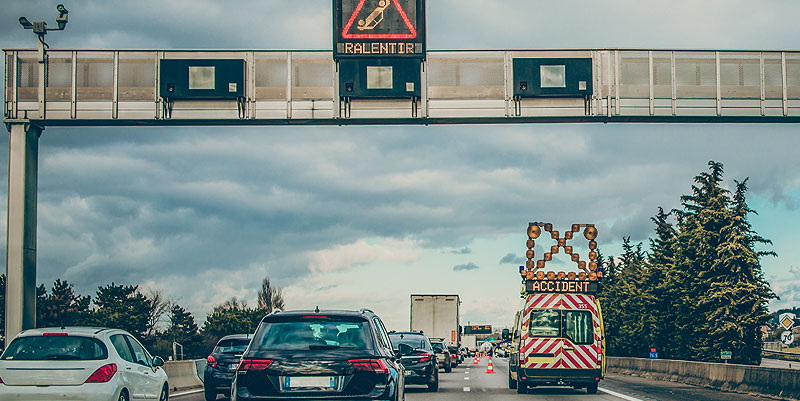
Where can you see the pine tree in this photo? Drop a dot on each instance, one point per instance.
(62, 307)
(122, 307)
(183, 330)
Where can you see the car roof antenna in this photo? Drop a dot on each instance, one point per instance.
(316, 309)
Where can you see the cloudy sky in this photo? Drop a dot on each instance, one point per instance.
(352, 217)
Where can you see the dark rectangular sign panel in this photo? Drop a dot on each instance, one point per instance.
(561, 286)
(482, 329)
(379, 28)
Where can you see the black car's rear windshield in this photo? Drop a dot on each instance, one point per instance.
(309, 333)
(232, 346)
(416, 341)
(438, 347)
(55, 348)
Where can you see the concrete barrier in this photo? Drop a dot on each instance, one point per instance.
(728, 377)
(182, 375)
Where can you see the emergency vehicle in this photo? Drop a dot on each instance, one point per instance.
(557, 338)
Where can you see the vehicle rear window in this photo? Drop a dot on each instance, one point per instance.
(545, 323)
(43, 348)
(312, 334)
(438, 347)
(232, 346)
(415, 341)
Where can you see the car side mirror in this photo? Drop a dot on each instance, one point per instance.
(158, 362)
(405, 349)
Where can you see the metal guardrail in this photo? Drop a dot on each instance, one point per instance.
(121, 87)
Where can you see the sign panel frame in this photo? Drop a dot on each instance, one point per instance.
(356, 30)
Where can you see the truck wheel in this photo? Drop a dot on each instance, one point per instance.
(522, 388)
(512, 384)
(591, 388)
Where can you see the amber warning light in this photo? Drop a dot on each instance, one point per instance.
(585, 280)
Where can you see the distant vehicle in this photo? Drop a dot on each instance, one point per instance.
(222, 363)
(331, 355)
(438, 317)
(80, 363)
(418, 358)
(442, 355)
(470, 342)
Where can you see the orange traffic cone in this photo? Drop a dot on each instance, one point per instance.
(476, 361)
(490, 369)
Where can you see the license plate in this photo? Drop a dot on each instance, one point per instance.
(408, 373)
(233, 366)
(310, 382)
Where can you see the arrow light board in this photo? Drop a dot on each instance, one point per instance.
(379, 28)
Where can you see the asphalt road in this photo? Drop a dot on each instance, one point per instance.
(470, 382)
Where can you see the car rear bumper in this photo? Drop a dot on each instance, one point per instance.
(559, 376)
(84, 392)
(386, 393)
(218, 380)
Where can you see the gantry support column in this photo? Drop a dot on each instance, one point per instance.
(23, 173)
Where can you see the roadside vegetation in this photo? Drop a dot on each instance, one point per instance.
(699, 288)
(148, 315)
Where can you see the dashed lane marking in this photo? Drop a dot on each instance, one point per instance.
(466, 378)
(466, 388)
(618, 395)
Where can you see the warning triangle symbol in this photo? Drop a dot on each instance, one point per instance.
(379, 19)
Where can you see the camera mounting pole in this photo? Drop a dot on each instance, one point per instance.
(40, 28)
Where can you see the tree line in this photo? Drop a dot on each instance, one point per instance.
(698, 289)
(148, 315)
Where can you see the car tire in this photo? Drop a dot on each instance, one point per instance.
(434, 387)
(512, 384)
(522, 388)
(591, 388)
(448, 368)
(123, 395)
(209, 395)
(164, 393)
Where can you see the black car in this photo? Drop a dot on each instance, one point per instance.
(222, 363)
(418, 358)
(331, 355)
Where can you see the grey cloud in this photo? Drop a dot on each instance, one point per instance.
(512, 259)
(465, 267)
(462, 251)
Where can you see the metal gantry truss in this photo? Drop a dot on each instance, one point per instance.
(121, 87)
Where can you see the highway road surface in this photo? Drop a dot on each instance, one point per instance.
(469, 382)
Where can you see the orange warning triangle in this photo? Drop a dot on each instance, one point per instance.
(362, 29)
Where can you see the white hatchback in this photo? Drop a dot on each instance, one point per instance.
(80, 363)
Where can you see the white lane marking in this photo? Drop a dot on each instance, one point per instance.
(186, 393)
(466, 378)
(466, 388)
(618, 395)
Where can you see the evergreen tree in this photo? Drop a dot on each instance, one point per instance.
(122, 307)
(232, 317)
(62, 307)
(183, 330)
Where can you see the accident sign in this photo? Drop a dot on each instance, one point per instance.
(379, 28)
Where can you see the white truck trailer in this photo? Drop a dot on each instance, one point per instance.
(438, 317)
(470, 342)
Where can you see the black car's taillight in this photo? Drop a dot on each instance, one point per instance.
(370, 365)
(250, 365)
(425, 358)
(211, 361)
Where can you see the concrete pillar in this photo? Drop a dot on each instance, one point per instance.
(23, 172)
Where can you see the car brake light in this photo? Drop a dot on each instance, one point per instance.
(1, 380)
(314, 317)
(103, 374)
(55, 334)
(248, 365)
(370, 365)
(211, 361)
(425, 359)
